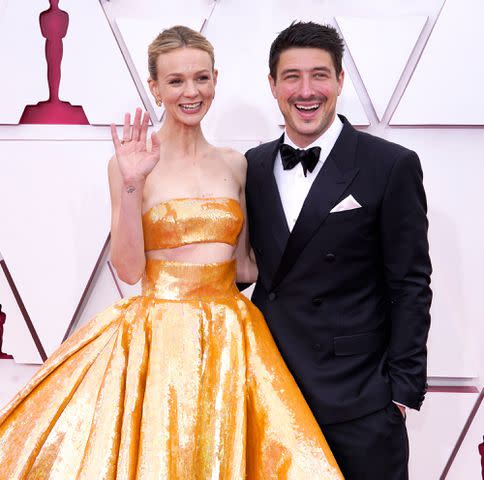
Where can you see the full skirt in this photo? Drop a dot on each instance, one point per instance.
(182, 382)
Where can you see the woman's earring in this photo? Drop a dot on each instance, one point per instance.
(158, 102)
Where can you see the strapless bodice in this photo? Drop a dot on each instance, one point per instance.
(183, 221)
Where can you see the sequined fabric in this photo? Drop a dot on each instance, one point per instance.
(181, 382)
(181, 221)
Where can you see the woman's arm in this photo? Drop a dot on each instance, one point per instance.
(127, 172)
(127, 243)
(246, 267)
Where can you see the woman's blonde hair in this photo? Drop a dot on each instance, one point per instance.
(175, 37)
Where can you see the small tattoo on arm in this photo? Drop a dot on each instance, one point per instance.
(130, 189)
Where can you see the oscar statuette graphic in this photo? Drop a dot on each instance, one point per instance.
(3, 318)
(53, 25)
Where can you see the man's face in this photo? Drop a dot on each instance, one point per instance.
(306, 88)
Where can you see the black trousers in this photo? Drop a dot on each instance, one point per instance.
(373, 447)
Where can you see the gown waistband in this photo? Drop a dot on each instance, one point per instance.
(169, 280)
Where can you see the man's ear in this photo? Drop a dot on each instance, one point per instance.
(215, 76)
(341, 79)
(272, 84)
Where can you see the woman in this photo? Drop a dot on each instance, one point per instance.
(184, 381)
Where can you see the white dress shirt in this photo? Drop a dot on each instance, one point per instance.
(292, 184)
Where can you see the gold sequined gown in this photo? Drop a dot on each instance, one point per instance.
(181, 382)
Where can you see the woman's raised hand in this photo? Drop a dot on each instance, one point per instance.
(134, 160)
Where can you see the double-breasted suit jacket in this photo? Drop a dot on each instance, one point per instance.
(346, 294)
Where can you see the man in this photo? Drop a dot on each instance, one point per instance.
(339, 231)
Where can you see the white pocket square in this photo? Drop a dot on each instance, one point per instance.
(348, 203)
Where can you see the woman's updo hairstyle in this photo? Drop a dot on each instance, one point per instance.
(175, 37)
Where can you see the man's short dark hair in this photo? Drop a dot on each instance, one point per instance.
(307, 35)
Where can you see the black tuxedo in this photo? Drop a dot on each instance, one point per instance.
(346, 295)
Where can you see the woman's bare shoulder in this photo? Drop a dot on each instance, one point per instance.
(235, 162)
(234, 159)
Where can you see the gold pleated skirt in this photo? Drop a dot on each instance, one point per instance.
(182, 382)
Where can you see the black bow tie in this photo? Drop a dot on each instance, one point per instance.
(292, 156)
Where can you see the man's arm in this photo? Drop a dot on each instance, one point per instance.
(407, 267)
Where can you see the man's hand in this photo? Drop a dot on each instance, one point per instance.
(402, 409)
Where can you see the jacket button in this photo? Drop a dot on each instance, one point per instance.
(317, 301)
(330, 258)
(317, 347)
(272, 296)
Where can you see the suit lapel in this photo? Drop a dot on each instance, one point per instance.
(333, 179)
(273, 219)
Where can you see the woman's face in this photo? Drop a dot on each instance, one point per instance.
(186, 84)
